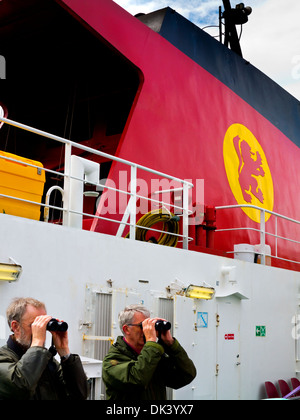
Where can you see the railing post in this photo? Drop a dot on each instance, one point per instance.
(276, 236)
(132, 201)
(185, 216)
(263, 236)
(67, 181)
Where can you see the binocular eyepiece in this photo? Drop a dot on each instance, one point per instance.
(54, 325)
(161, 325)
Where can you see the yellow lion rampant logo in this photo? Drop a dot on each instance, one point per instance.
(250, 167)
(247, 171)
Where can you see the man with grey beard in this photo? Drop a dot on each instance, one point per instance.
(27, 369)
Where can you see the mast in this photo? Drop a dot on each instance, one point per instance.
(233, 17)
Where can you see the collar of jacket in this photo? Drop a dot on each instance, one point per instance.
(17, 348)
(137, 352)
(124, 348)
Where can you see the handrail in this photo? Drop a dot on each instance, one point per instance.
(91, 150)
(69, 178)
(262, 230)
(237, 206)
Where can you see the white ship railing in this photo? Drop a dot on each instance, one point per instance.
(262, 231)
(131, 211)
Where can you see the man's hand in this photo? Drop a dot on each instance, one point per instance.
(38, 328)
(149, 329)
(61, 342)
(167, 338)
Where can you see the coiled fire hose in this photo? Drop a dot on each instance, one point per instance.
(170, 225)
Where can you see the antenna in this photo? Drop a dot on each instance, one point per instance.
(233, 17)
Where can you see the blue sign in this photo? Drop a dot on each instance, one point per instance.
(202, 319)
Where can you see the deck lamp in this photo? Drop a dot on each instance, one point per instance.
(10, 272)
(199, 292)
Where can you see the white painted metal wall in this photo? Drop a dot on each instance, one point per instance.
(66, 268)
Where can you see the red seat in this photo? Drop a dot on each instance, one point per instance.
(271, 390)
(295, 383)
(284, 388)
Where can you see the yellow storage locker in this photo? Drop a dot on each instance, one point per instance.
(17, 179)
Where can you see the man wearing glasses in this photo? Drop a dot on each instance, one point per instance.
(139, 366)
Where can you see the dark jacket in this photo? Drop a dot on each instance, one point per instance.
(36, 375)
(129, 376)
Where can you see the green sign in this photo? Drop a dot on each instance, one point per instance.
(260, 331)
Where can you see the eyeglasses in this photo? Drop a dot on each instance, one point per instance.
(136, 325)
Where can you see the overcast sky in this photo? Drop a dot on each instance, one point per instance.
(270, 40)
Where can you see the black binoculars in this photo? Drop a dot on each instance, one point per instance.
(161, 325)
(54, 325)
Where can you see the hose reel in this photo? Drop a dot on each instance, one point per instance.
(169, 236)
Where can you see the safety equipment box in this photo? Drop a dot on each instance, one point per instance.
(18, 179)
